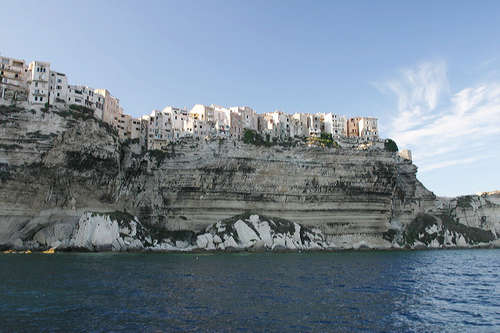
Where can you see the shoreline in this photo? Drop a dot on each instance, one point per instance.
(256, 251)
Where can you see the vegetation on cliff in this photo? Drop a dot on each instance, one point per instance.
(426, 228)
(390, 145)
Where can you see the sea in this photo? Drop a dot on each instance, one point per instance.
(346, 291)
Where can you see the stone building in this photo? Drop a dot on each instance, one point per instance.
(13, 79)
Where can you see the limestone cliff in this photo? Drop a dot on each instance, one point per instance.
(59, 166)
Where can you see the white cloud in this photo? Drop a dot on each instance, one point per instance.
(444, 129)
(445, 164)
(418, 91)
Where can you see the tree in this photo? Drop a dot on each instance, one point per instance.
(390, 145)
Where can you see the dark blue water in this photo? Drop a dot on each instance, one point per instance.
(344, 291)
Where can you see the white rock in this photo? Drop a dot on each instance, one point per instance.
(230, 242)
(290, 244)
(278, 241)
(254, 219)
(432, 229)
(264, 231)
(181, 244)
(95, 230)
(461, 241)
(434, 244)
(246, 235)
(296, 235)
(202, 241)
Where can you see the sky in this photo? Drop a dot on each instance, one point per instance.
(428, 70)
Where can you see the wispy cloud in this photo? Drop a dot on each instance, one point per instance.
(443, 128)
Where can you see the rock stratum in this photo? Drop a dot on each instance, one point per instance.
(67, 182)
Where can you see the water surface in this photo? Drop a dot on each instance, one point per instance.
(447, 290)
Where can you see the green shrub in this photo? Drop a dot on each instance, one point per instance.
(390, 145)
(325, 140)
(254, 138)
(81, 108)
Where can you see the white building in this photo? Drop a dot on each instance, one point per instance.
(282, 125)
(368, 128)
(300, 124)
(158, 130)
(203, 112)
(59, 88)
(38, 82)
(81, 95)
(315, 124)
(180, 121)
(247, 115)
(335, 125)
(267, 127)
(222, 120)
(206, 114)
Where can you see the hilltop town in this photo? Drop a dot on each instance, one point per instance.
(77, 172)
(36, 85)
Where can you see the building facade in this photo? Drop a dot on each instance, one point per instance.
(13, 79)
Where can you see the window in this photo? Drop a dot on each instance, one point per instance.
(41, 99)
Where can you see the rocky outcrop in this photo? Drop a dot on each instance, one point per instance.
(59, 166)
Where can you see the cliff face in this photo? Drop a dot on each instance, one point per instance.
(57, 165)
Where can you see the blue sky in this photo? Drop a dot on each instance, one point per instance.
(429, 70)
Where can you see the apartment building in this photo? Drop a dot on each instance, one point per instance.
(128, 127)
(111, 109)
(13, 79)
(315, 124)
(353, 127)
(38, 82)
(58, 87)
(334, 124)
(222, 120)
(300, 122)
(236, 129)
(368, 128)
(248, 116)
